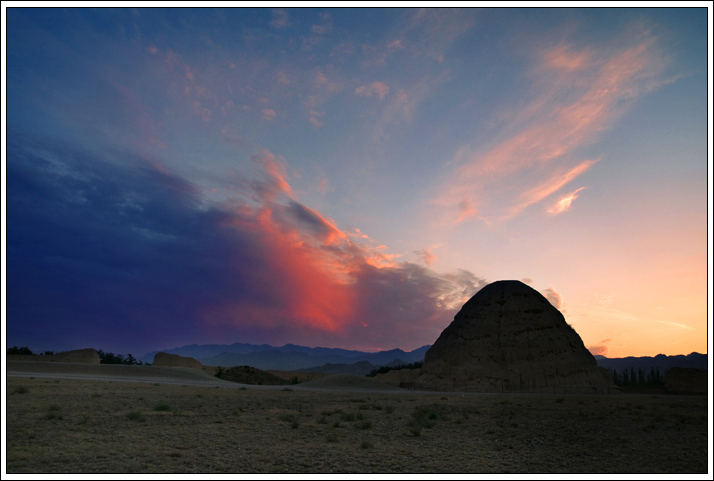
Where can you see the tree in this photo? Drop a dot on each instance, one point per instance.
(20, 350)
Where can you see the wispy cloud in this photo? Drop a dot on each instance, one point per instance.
(378, 89)
(563, 204)
(554, 298)
(582, 92)
(280, 19)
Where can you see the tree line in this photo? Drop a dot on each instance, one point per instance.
(104, 357)
(639, 378)
(384, 369)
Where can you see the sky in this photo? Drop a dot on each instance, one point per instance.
(350, 177)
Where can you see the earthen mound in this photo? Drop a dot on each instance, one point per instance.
(686, 380)
(88, 356)
(251, 375)
(82, 356)
(174, 360)
(509, 338)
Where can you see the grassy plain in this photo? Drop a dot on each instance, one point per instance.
(79, 426)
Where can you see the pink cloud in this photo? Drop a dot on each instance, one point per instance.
(554, 298)
(540, 156)
(564, 202)
(378, 89)
(268, 114)
(324, 27)
(564, 58)
(280, 19)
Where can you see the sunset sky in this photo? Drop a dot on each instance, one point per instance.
(350, 177)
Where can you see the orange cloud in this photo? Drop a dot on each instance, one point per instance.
(564, 203)
(312, 276)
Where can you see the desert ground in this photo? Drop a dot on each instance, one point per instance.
(89, 419)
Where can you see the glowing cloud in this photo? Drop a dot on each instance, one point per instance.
(564, 202)
(538, 158)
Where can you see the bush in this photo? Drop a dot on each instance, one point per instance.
(21, 390)
(25, 351)
(136, 416)
(162, 407)
(385, 369)
(219, 373)
(364, 425)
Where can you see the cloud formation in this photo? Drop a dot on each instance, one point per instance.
(132, 255)
(378, 89)
(582, 92)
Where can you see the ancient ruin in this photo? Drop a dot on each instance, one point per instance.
(509, 338)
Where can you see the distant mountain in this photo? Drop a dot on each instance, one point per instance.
(289, 357)
(660, 361)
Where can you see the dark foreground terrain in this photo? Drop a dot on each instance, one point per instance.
(89, 426)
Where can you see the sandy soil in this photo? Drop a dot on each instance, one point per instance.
(91, 426)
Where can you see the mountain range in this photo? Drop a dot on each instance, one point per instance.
(291, 357)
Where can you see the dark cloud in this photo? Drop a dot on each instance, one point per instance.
(115, 252)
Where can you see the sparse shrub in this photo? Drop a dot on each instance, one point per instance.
(389, 409)
(287, 389)
(331, 437)
(55, 407)
(136, 416)
(294, 380)
(53, 415)
(364, 406)
(96, 394)
(336, 424)
(364, 425)
(322, 420)
(366, 445)
(242, 388)
(21, 390)
(415, 429)
(347, 416)
(219, 372)
(162, 407)
(560, 400)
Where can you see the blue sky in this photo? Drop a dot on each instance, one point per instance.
(349, 177)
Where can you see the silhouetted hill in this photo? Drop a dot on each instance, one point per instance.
(361, 368)
(289, 357)
(660, 361)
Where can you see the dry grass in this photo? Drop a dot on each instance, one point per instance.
(115, 427)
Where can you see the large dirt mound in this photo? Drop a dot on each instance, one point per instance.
(399, 377)
(348, 382)
(509, 338)
(174, 360)
(82, 356)
(251, 375)
(686, 380)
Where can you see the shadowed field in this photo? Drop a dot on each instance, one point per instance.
(83, 426)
